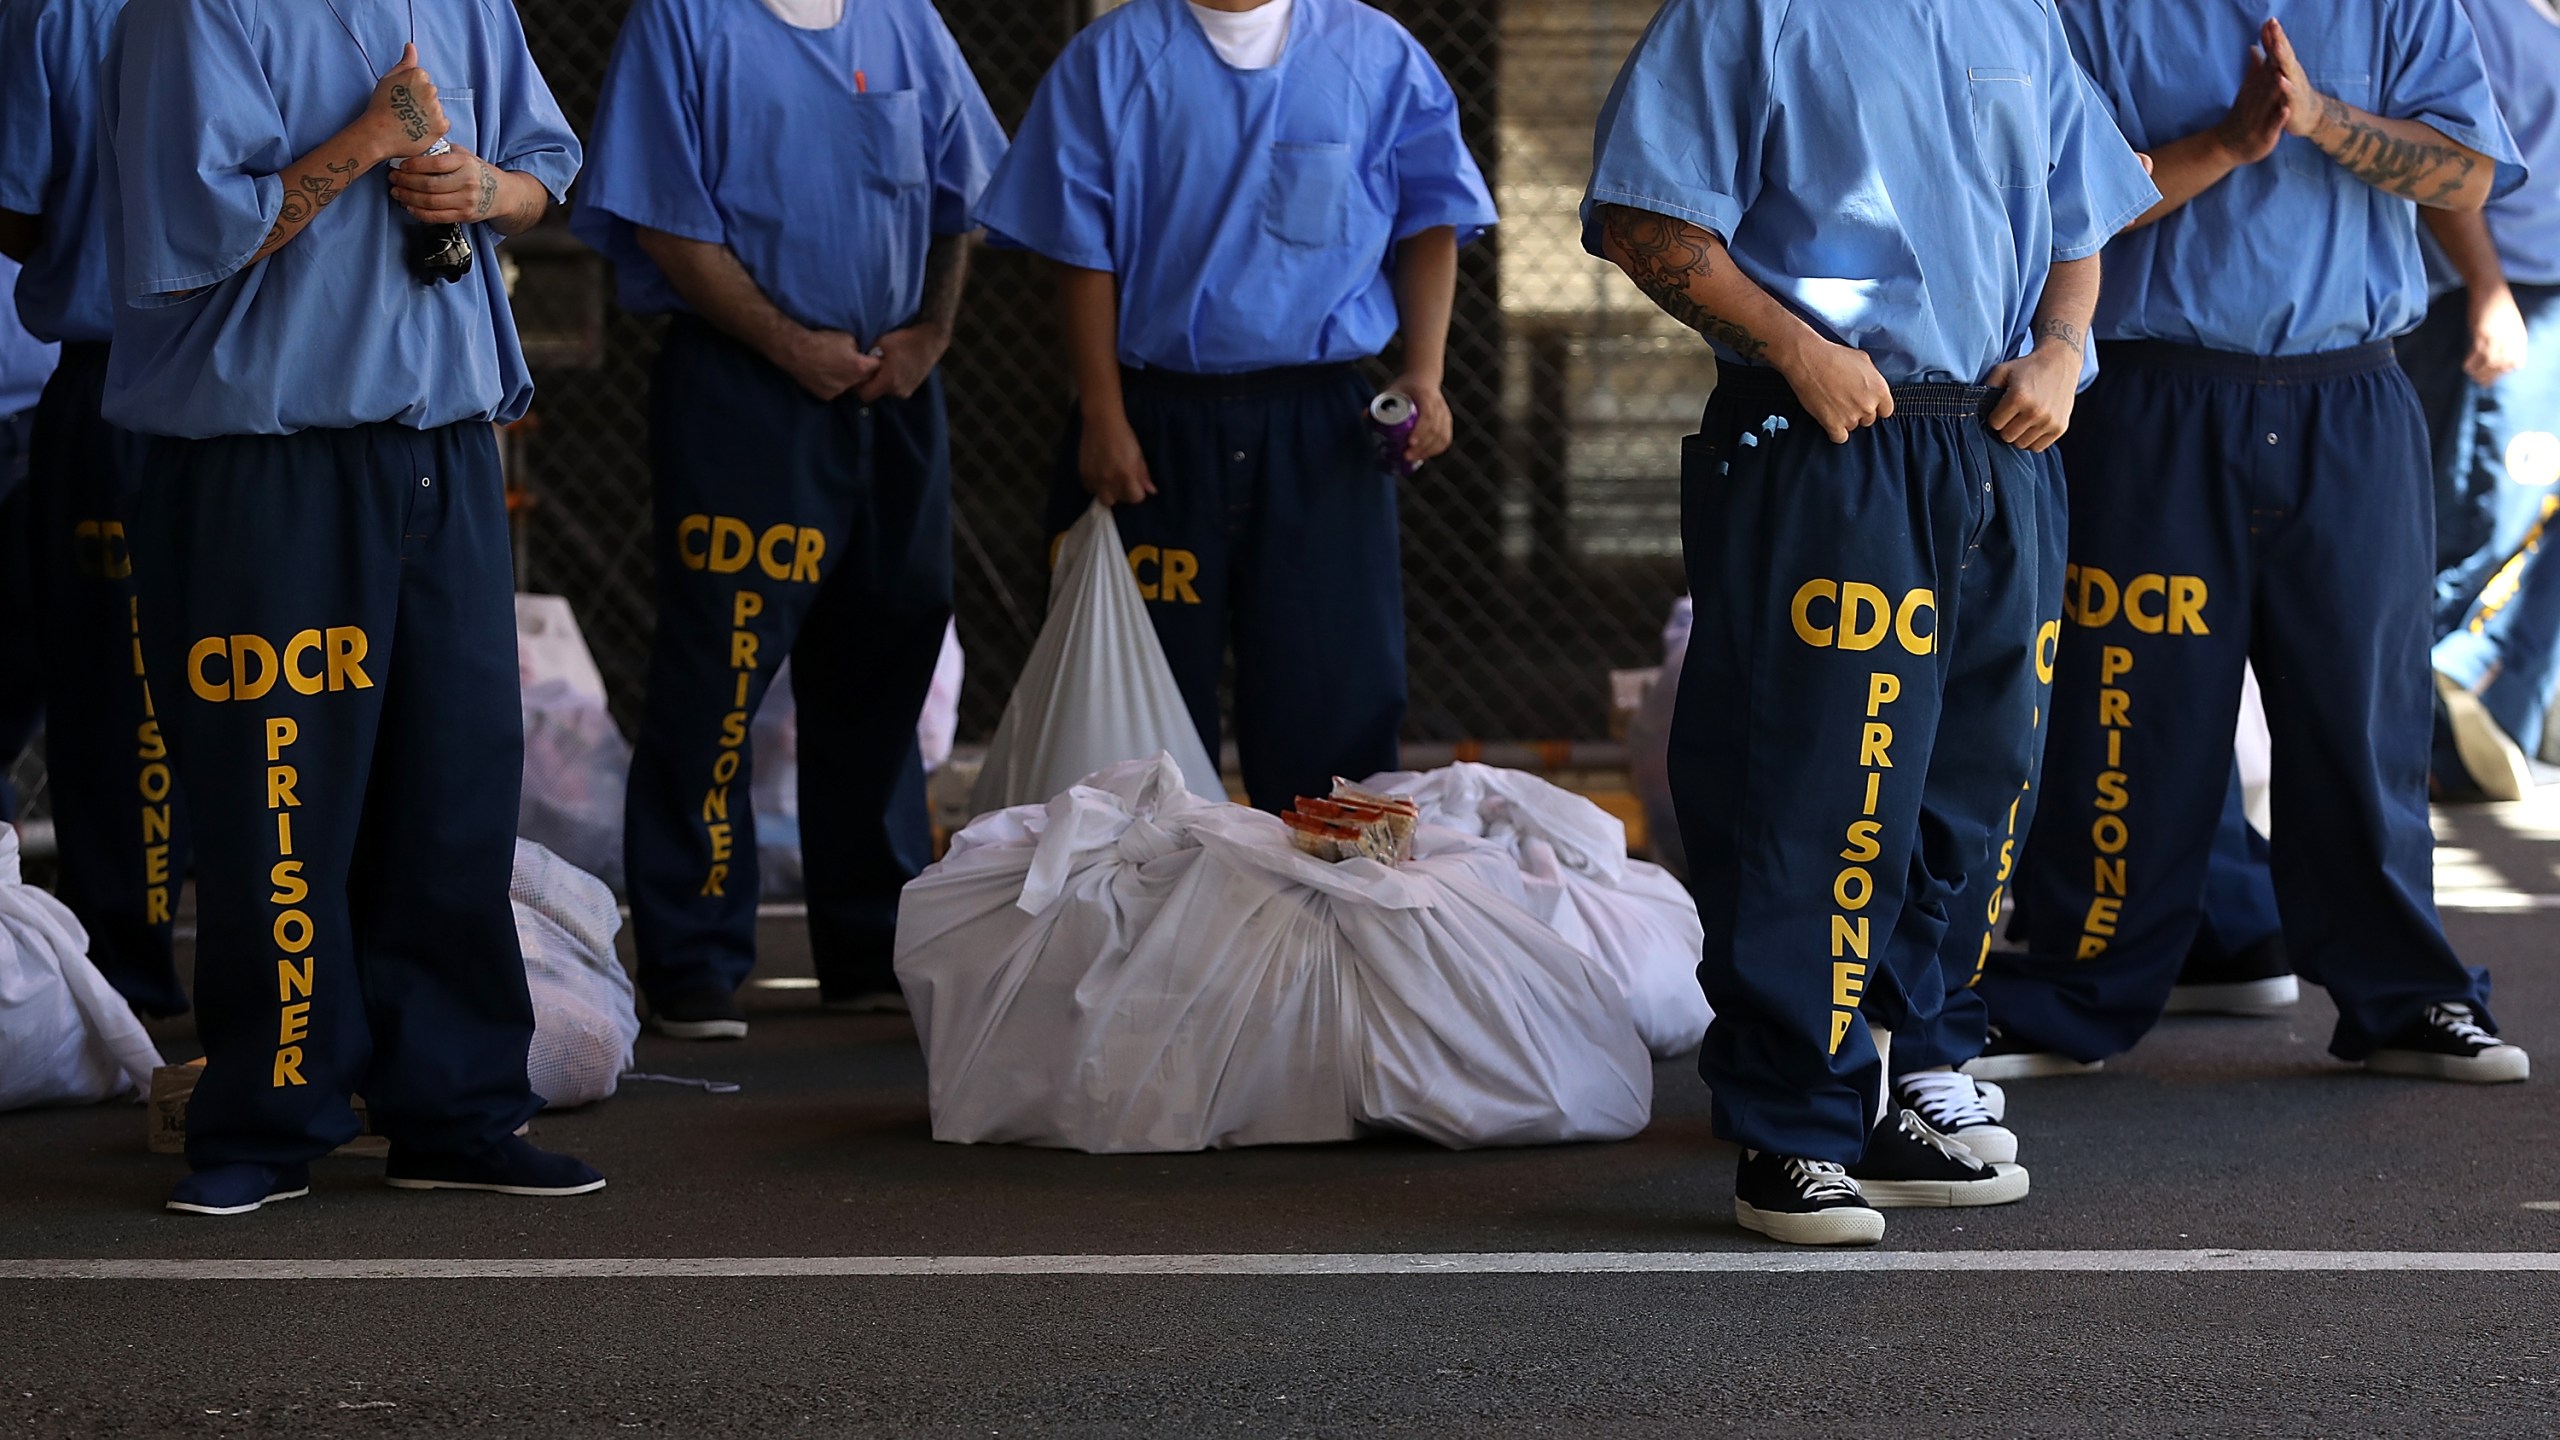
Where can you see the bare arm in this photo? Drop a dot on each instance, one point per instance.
(1113, 466)
(2498, 339)
(403, 119)
(827, 363)
(1687, 271)
(20, 234)
(459, 188)
(2044, 386)
(1426, 294)
(908, 355)
(2186, 168)
(2400, 157)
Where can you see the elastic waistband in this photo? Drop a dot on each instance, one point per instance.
(1915, 401)
(1243, 385)
(2249, 369)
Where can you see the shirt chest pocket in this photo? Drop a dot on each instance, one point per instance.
(462, 114)
(1308, 201)
(2008, 126)
(887, 140)
(2309, 160)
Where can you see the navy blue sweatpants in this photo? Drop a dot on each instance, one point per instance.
(21, 671)
(122, 831)
(785, 526)
(1857, 727)
(330, 620)
(1274, 526)
(2227, 508)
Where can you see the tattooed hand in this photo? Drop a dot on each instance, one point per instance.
(453, 187)
(405, 117)
(2406, 158)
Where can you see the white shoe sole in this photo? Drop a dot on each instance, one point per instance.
(700, 1029)
(2005, 1185)
(2501, 1066)
(184, 1208)
(2497, 764)
(1823, 1227)
(533, 1190)
(2036, 1065)
(1990, 1144)
(2246, 997)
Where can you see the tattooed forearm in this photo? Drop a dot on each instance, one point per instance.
(2429, 173)
(946, 275)
(2065, 333)
(307, 199)
(1664, 257)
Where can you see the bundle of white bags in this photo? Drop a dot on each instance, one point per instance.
(1131, 967)
(584, 1020)
(66, 1036)
(1634, 920)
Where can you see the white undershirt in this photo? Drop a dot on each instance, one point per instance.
(808, 14)
(1247, 39)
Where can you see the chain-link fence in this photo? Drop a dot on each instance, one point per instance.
(1539, 554)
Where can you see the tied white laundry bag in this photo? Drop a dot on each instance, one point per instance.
(584, 1018)
(66, 1036)
(1637, 923)
(1133, 968)
(1096, 690)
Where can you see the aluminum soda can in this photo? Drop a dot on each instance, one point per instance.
(1391, 420)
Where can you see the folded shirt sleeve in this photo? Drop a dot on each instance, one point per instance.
(2435, 76)
(1438, 181)
(1682, 131)
(199, 148)
(1053, 192)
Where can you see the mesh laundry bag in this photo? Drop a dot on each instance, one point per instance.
(66, 1036)
(1133, 968)
(1638, 924)
(584, 1017)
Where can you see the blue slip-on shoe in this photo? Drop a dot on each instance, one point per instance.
(239, 1189)
(512, 1166)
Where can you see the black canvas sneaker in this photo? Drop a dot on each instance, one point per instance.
(1908, 1165)
(2009, 1057)
(1955, 1107)
(2449, 1044)
(2257, 981)
(1802, 1202)
(705, 1015)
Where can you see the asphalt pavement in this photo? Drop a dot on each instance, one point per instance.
(2123, 1297)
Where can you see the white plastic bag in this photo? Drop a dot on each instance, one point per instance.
(775, 737)
(66, 1036)
(1133, 968)
(584, 1018)
(1096, 690)
(939, 727)
(1637, 923)
(1649, 746)
(576, 763)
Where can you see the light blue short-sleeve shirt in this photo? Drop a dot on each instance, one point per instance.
(826, 160)
(1251, 216)
(2520, 42)
(1902, 176)
(52, 53)
(25, 362)
(208, 102)
(2292, 255)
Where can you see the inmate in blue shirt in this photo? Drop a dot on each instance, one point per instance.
(2520, 40)
(2292, 255)
(52, 53)
(1902, 176)
(1250, 215)
(209, 101)
(826, 160)
(25, 362)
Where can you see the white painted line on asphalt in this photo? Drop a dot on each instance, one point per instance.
(788, 982)
(2495, 901)
(2542, 1204)
(1714, 1262)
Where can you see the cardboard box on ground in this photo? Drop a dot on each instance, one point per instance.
(172, 1086)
